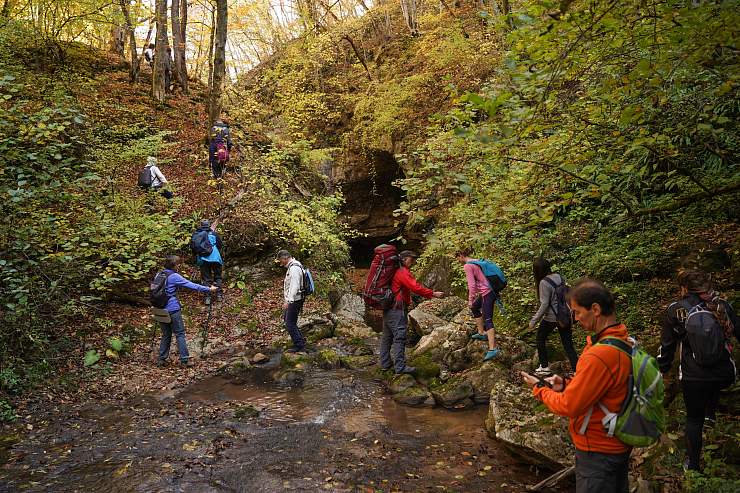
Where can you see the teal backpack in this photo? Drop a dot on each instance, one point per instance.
(641, 419)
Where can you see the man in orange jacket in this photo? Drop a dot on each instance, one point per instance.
(601, 376)
(395, 319)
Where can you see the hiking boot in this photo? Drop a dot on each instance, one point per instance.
(407, 369)
(710, 422)
(543, 371)
(219, 297)
(296, 350)
(161, 362)
(479, 337)
(187, 362)
(491, 354)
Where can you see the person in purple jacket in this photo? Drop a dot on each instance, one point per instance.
(174, 282)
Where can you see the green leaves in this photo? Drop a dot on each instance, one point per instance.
(91, 357)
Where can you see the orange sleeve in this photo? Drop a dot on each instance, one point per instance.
(586, 388)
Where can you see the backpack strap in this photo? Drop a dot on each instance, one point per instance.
(617, 343)
(554, 286)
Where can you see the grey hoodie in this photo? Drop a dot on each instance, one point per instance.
(547, 300)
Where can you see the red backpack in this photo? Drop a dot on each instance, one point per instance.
(377, 292)
(222, 152)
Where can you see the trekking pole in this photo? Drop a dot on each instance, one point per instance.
(204, 340)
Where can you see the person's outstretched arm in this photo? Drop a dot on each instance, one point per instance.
(180, 282)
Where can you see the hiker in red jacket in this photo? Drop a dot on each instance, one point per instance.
(395, 319)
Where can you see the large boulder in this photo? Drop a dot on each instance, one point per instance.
(399, 383)
(441, 341)
(445, 308)
(353, 330)
(422, 323)
(517, 420)
(464, 357)
(484, 378)
(350, 307)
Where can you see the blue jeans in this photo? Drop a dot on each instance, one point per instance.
(393, 339)
(178, 327)
(291, 323)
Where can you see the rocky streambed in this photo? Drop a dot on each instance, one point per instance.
(328, 420)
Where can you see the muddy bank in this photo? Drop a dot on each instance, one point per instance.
(338, 432)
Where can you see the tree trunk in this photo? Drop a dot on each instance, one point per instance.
(408, 9)
(117, 41)
(5, 12)
(183, 45)
(134, 70)
(211, 42)
(219, 63)
(178, 46)
(160, 51)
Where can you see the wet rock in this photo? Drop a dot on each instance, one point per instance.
(399, 383)
(484, 378)
(291, 377)
(426, 369)
(422, 322)
(468, 356)
(260, 358)
(354, 330)
(327, 359)
(516, 419)
(358, 362)
(445, 308)
(413, 396)
(452, 393)
(350, 307)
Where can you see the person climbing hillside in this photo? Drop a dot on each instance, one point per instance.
(208, 248)
(219, 148)
(151, 178)
(702, 324)
(550, 288)
(602, 461)
(173, 282)
(293, 299)
(481, 299)
(149, 55)
(395, 318)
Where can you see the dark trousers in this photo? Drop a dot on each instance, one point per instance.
(483, 307)
(566, 337)
(211, 274)
(291, 323)
(602, 473)
(393, 340)
(178, 327)
(701, 400)
(163, 192)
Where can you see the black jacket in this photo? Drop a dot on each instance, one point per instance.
(219, 245)
(674, 332)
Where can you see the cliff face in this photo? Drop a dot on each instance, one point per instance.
(363, 123)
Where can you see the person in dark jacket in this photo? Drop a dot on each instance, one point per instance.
(174, 282)
(395, 319)
(211, 266)
(219, 135)
(701, 384)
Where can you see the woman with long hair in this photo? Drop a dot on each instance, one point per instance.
(545, 281)
(702, 324)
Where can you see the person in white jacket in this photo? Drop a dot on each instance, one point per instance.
(293, 299)
(158, 179)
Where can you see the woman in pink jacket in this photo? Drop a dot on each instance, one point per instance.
(480, 300)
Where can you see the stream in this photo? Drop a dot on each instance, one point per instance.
(339, 431)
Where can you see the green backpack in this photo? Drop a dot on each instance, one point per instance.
(641, 420)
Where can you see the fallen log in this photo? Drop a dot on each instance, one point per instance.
(551, 481)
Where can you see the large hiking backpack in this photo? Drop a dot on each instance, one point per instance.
(200, 244)
(705, 336)
(222, 152)
(158, 290)
(307, 285)
(641, 420)
(494, 274)
(145, 178)
(563, 315)
(378, 292)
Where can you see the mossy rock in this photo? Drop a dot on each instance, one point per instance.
(324, 331)
(291, 377)
(357, 362)
(414, 396)
(453, 392)
(246, 411)
(327, 359)
(399, 383)
(291, 360)
(426, 369)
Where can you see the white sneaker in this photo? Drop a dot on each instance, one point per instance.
(543, 370)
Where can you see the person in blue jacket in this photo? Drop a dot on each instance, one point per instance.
(211, 266)
(174, 282)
